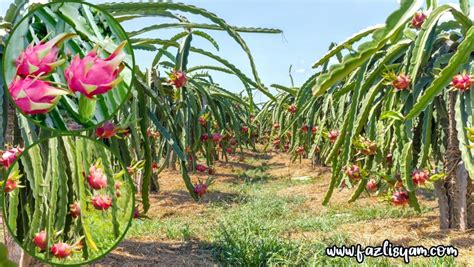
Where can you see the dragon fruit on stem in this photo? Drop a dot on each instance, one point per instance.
(7, 157)
(96, 179)
(34, 96)
(93, 75)
(40, 240)
(103, 202)
(42, 58)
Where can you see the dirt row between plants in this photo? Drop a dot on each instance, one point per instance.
(173, 200)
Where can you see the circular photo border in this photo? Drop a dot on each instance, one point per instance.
(75, 127)
(3, 198)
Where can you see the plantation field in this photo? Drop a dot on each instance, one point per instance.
(266, 209)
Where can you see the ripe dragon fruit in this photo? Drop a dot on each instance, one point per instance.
(233, 142)
(96, 179)
(75, 210)
(300, 150)
(7, 157)
(372, 185)
(292, 109)
(314, 129)
(34, 96)
(106, 130)
(40, 240)
(304, 128)
(333, 135)
(200, 189)
(61, 250)
(229, 150)
(201, 168)
(401, 82)
(136, 213)
(216, 137)
(93, 75)
(103, 202)
(178, 78)
(41, 58)
(418, 19)
(244, 129)
(353, 172)
(204, 137)
(420, 177)
(400, 198)
(462, 82)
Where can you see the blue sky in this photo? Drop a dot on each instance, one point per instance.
(309, 27)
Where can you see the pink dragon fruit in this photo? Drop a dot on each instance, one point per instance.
(136, 213)
(333, 135)
(401, 82)
(40, 240)
(7, 157)
(178, 78)
(372, 185)
(304, 128)
(229, 150)
(103, 202)
(353, 172)
(462, 82)
(314, 129)
(106, 130)
(93, 75)
(61, 250)
(201, 168)
(418, 19)
(200, 189)
(75, 210)
(10, 185)
(41, 58)
(216, 137)
(244, 129)
(204, 137)
(96, 179)
(34, 96)
(420, 177)
(400, 198)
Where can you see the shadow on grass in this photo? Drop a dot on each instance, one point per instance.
(159, 253)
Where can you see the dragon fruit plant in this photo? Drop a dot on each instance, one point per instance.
(399, 95)
(169, 97)
(60, 76)
(90, 200)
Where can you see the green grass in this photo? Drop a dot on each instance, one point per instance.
(260, 227)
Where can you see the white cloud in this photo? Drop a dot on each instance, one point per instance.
(300, 71)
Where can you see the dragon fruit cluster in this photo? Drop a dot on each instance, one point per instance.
(32, 88)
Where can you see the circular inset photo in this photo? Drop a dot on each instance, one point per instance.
(68, 66)
(68, 200)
